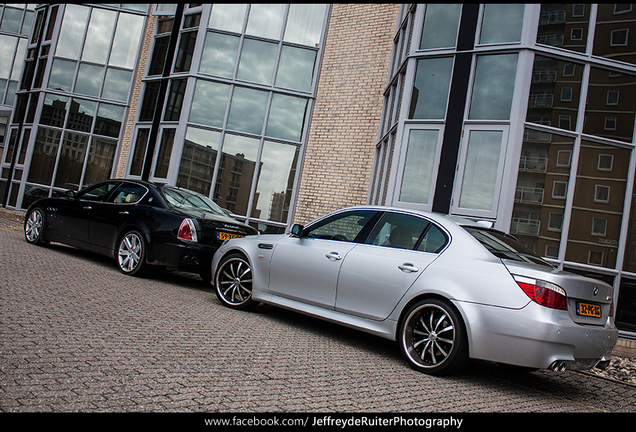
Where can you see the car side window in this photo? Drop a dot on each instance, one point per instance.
(398, 230)
(128, 193)
(433, 240)
(97, 192)
(342, 227)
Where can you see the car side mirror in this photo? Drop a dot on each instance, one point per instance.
(297, 230)
(70, 194)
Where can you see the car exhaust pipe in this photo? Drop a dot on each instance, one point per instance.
(558, 366)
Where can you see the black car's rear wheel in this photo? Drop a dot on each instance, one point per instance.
(131, 254)
(34, 226)
(433, 337)
(233, 282)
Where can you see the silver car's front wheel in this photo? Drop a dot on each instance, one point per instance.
(34, 226)
(433, 337)
(131, 254)
(233, 282)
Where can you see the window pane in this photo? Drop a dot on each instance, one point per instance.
(89, 79)
(557, 21)
(185, 51)
(11, 20)
(266, 20)
(502, 23)
(219, 54)
(275, 181)
(175, 99)
(71, 163)
(493, 87)
(622, 46)
(44, 155)
(286, 117)
(228, 17)
(304, 24)
(165, 152)
(440, 26)
(296, 68)
(480, 171)
(8, 46)
(257, 61)
(236, 171)
(398, 230)
(151, 94)
(69, 42)
(248, 110)
(139, 155)
(419, 166)
(81, 115)
(538, 211)
(599, 165)
(126, 42)
(342, 227)
(62, 74)
(197, 160)
(18, 64)
(53, 110)
(109, 119)
(209, 103)
(116, 84)
(597, 109)
(549, 79)
(100, 161)
(430, 91)
(159, 53)
(100, 31)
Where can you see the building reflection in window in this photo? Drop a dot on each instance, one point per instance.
(555, 93)
(540, 196)
(614, 33)
(597, 207)
(564, 26)
(611, 105)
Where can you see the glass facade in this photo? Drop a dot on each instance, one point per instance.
(521, 115)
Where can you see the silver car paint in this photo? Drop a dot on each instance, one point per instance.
(502, 323)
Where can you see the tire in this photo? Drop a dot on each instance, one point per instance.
(233, 282)
(131, 254)
(433, 339)
(34, 224)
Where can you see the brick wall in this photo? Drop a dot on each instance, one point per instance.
(344, 127)
(129, 123)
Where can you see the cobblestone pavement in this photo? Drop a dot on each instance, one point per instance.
(76, 335)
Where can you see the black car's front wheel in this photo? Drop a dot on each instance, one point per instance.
(34, 226)
(433, 337)
(131, 254)
(233, 282)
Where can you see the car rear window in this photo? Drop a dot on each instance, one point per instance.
(179, 198)
(504, 246)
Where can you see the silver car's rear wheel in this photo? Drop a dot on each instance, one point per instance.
(131, 254)
(433, 337)
(233, 282)
(34, 226)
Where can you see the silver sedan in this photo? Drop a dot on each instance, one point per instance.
(445, 289)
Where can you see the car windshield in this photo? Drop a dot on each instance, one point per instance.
(182, 199)
(504, 246)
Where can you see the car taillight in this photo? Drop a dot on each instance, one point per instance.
(545, 293)
(187, 231)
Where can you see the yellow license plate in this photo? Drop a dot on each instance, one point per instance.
(226, 236)
(587, 309)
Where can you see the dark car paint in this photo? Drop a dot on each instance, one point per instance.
(97, 226)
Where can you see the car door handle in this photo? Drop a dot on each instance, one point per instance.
(123, 212)
(408, 268)
(333, 256)
(88, 208)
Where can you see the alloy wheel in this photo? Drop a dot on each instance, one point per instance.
(234, 282)
(130, 254)
(34, 226)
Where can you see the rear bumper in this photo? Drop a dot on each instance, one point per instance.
(536, 337)
(190, 257)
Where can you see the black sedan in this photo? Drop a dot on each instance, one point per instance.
(138, 223)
